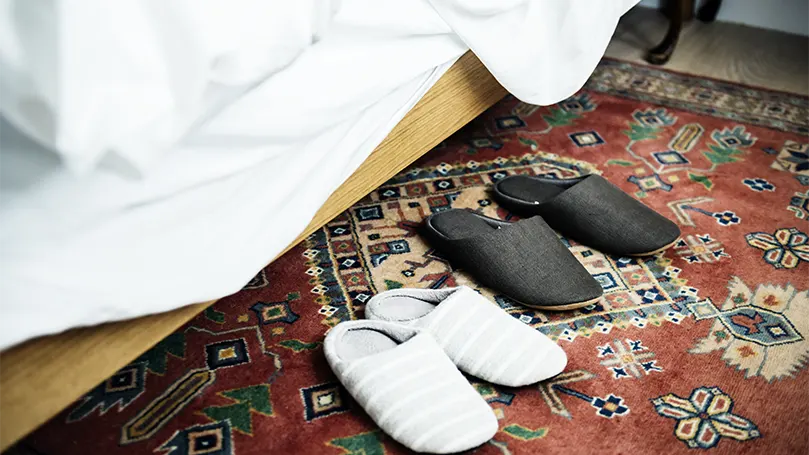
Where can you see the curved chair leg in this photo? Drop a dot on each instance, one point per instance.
(708, 11)
(662, 52)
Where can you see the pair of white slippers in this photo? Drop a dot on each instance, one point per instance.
(402, 364)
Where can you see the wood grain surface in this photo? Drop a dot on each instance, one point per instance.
(41, 377)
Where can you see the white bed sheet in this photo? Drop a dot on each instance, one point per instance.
(129, 236)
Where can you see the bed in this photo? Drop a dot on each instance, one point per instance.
(41, 376)
(82, 358)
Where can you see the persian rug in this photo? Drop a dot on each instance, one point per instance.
(704, 346)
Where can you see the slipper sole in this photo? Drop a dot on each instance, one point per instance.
(577, 305)
(659, 250)
(566, 307)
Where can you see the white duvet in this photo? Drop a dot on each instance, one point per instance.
(156, 154)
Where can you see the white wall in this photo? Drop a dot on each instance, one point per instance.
(790, 16)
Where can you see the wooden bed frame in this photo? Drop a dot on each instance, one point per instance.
(41, 377)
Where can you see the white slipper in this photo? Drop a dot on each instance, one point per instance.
(479, 337)
(408, 386)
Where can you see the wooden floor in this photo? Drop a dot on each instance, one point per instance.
(732, 52)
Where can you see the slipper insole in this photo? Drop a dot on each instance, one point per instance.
(529, 190)
(460, 224)
(360, 343)
(403, 307)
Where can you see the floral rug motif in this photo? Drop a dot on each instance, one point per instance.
(704, 346)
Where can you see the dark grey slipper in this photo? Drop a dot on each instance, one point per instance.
(591, 211)
(525, 260)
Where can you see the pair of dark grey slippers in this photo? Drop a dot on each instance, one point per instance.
(526, 260)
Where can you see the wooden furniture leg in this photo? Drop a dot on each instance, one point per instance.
(708, 11)
(679, 11)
